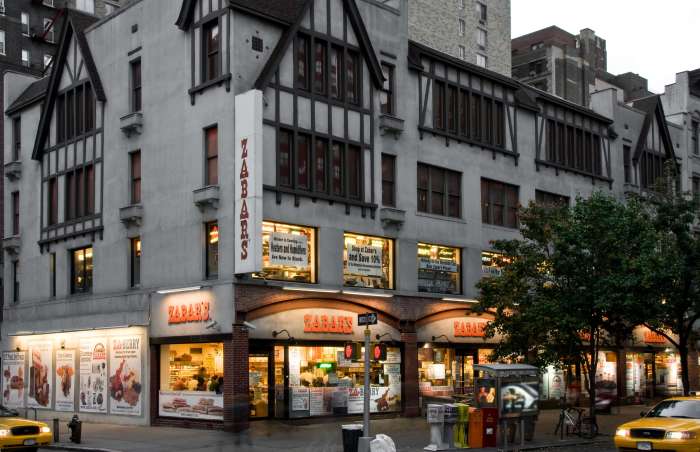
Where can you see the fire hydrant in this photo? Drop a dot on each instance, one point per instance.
(75, 427)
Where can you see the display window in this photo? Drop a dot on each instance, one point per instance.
(439, 269)
(668, 374)
(492, 263)
(605, 376)
(448, 372)
(638, 375)
(289, 253)
(368, 261)
(322, 382)
(192, 380)
(258, 385)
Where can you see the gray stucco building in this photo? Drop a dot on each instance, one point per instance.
(208, 193)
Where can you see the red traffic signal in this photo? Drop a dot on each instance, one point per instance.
(352, 351)
(379, 352)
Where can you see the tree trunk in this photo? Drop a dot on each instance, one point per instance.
(683, 351)
(591, 379)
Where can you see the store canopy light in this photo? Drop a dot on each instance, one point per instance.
(368, 294)
(310, 289)
(180, 289)
(460, 300)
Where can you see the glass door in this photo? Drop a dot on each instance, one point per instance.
(259, 388)
(464, 381)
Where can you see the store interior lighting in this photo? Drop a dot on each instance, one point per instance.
(367, 294)
(459, 300)
(310, 289)
(180, 289)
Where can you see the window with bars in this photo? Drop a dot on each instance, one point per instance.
(389, 180)
(75, 113)
(439, 191)
(572, 147)
(211, 152)
(211, 51)
(499, 203)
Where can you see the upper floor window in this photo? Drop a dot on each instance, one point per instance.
(460, 4)
(211, 51)
(211, 151)
(302, 62)
(547, 199)
(289, 253)
(15, 213)
(81, 270)
(335, 76)
(24, 18)
(52, 274)
(439, 269)
(481, 37)
(211, 250)
(135, 262)
(48, 59)
(135, 176)
(389, 180)
(368, 261)
(25, 58)
(386, 95)
(2, 42)
(696, 185)
(15, 281)
(353, 77)
(573, 147)
(439, 191)
(481, 11)
(53, 201)
(481, 60)
(2, 7)
(16, 138)
(320, 66)
(627, 163)
(86, 5)
(136, 85)
(75, 112)
(80, 192)
(499, 203)
(695, 125)
(48, 3)
(462, 52)
(462, 27)
(48, 30)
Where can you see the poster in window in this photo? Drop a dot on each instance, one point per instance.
(289, 250)
(381, 399)
(93, 375)
(320, 400)
(65, 380)
(365, 260)
(125, 382)
(13, 379)
(437, 265)
(300, 398)
(40, 372)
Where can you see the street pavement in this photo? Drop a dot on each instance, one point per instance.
(409, 434)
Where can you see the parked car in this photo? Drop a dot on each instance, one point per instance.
(672, 425)
(18, 434)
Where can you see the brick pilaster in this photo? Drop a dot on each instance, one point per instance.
(236, 395)
(410, 368)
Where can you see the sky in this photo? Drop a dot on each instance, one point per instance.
(655, 39)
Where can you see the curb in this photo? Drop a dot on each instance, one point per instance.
(563, 444)
(78, 448)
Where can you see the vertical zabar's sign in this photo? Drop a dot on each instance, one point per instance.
(248, 183)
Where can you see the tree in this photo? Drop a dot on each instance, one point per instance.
(572, 284)
(675, 307)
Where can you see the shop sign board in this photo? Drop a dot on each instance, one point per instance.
(40, 375)
(365, 260)
(93, 375)
(469, 328)
(248, 182)
(191, 404)
(125, 381)
(289, 250)
(334, 324)
(437, 265)
(188, 312)
(65, 380)
(652, 337)
(14, 379)
(368, 318)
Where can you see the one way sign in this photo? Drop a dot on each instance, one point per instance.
(368, 318)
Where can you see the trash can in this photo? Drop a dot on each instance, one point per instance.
(461, 432)
(351, 437)
(476, 429)
(450, 420)
(436, 419)
(530, 427)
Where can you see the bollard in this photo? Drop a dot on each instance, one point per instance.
(55, 430)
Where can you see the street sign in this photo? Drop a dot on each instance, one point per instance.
(368, 318)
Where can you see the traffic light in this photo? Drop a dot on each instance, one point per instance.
(379, 352)
(352, 351)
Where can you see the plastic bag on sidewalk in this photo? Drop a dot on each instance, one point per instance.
(382, 443)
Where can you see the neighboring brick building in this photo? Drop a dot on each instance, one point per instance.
(477, 31)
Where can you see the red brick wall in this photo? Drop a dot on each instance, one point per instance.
(236, 380)
(410, 369)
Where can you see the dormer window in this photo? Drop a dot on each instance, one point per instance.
(211, 54)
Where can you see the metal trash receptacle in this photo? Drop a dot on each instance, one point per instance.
(351, 437)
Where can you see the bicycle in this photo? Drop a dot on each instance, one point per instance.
(573, 422)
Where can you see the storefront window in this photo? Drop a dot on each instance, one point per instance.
(438, 269)
(491, 263)
(605, 375)
(638, 372)
(368, 261)
(192, 380)
(668, 374)
(258, 385)
(322, 382)
(288, 253)
(436, 374)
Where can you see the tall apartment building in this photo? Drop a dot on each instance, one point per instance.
(559, 62)
(476, 31)
(205, 194)
(28, 33)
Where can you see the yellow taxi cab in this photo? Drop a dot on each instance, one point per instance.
(671, 425)
(18, 434)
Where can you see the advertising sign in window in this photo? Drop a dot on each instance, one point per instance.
(438, 269)
(65, 380)
(288, 253)
(368, 261)
(40, 372)
(93, 375)
(125, 381)
(13, 379)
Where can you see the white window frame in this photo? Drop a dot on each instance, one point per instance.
(481, 37)
(462, 52)
(480, 8)
(2, 41)
(462, 26)
(28, 61)
(481, 60)
(25, 25)
(49, 29)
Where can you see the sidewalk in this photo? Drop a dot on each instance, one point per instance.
(409, 434)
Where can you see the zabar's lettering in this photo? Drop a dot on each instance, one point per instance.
(335, 324)
(193, 312)
(464, 328)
